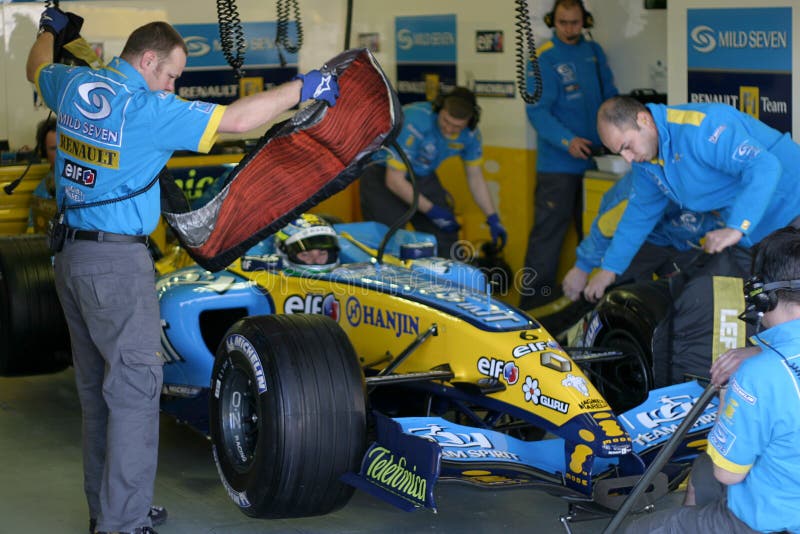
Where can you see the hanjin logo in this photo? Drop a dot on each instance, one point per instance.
(79, 174)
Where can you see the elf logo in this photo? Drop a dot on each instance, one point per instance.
(494, 368)
(317, 304)
(79, 174)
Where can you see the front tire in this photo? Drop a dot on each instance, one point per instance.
(287, 414)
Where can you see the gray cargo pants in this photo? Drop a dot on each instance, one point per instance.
(107, 291)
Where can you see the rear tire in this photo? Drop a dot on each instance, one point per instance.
(34, 338)
(287, 414)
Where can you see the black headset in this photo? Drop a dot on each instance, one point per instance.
(761, 297)
(550, 17)
(461, 93)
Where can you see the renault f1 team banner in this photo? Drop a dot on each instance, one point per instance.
(426, 56)
(208, 76)
(743, 57)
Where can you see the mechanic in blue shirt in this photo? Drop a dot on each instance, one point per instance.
(575, 80)
(703, 157)
(750, 479)
(671, 246)
(117, 127)
(431, 133)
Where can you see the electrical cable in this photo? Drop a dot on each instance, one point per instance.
(282, 33)
(412, 209)
(523, 35)
(231, 35)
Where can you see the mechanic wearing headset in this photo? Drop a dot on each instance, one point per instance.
(46, 148)
(669, 248)
(749, 481)
(575, 80)
(104, 272)
(308, 245)
(431, 133)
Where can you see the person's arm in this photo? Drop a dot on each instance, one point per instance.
(256, 110)
(728, 477)
(396, 183)
(479, 189)
(41, 53)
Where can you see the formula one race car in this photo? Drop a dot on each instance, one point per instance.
(294, 374)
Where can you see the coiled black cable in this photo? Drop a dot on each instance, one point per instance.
(523, 35)
(282, 32)
(231, 35)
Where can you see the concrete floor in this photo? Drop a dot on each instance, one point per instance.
(41, 485)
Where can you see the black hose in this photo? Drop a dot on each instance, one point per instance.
(348, 25)
(231, 35)
(399, 223)
(523, 35)
(282, 41)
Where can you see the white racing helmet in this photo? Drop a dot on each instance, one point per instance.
(307, 232)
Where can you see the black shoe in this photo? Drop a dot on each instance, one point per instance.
(139, 530)
(157, 514)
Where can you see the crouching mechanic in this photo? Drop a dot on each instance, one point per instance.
(671, 247)
(308, 245)
(431, 133)
(750, 479)
(108, 197)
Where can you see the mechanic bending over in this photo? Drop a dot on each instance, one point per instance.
(308, 244)
(749, 480)
(431, 133)
(702, 157)
(668, 249)
(104, 273)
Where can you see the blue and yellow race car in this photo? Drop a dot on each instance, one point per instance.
(386, 376)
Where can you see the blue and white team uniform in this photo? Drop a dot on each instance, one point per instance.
(114, 135)
(426, 148)
(758, 432)
(576, 79)
(711, 157)
(679, 230)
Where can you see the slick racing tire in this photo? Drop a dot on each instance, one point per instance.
(287, 415)
(33, 333)
(628, 316)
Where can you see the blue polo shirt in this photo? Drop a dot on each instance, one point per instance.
(426, 147)
(114, 135)
(758, 432)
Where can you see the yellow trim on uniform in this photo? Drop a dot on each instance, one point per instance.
(607, 223)
(683, 116)
(474, 163)
(210, 135)
(724, 463)
(396, 165)
(546, 46)
(36, 76)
